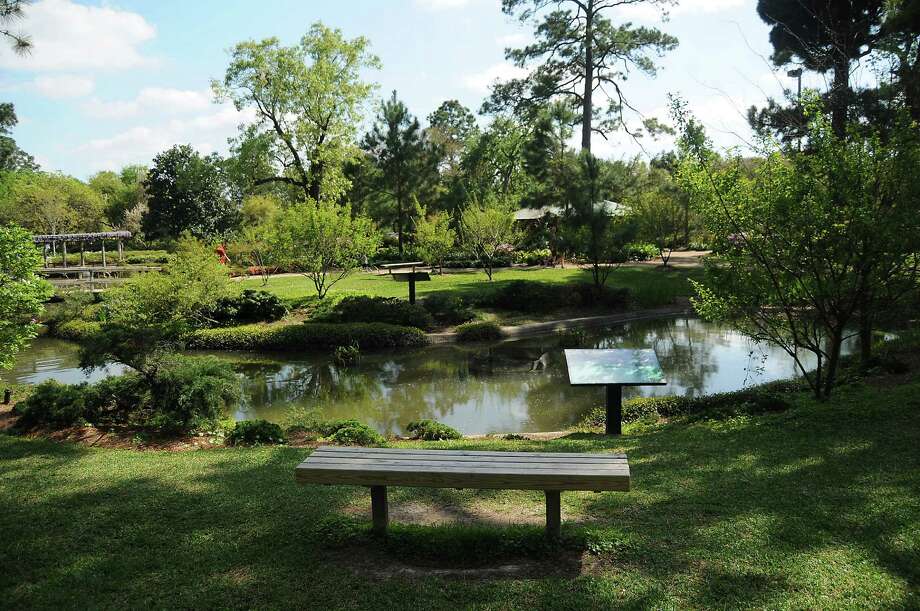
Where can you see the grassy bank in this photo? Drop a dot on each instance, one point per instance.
(814, 507)
(650, 286)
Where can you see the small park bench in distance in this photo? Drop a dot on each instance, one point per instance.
(382, 467)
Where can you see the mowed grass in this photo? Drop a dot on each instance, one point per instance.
(817, 507)
(651, 286)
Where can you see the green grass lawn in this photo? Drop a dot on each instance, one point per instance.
(817, 507)
(651, 286)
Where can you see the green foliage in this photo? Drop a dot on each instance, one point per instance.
(349, 432)
(538, 256)
(77, 330)
(481, 331)
(529, 296)
(248, 307)
(189, 392)
(255, 433)
(434, 237)
(309, 99)
(403, 164)
(323, 242)
(124, 196)
(12, 158)
(641, 251)
(22, 291)
(50, 203)
(388, 310)
(346, 356)
(488, 229)
(367, 336)
(431, 430)
(448, 309)
(52, 404)
(188, 193)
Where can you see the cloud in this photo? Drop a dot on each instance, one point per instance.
(64, 86)
(480, 81)
(161, 100)
(517, 39)
(70, 37)
(207, 132)
(440, 5)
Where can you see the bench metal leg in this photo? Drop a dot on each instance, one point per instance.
(553, 514)
(379, 509)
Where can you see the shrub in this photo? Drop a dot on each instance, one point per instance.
(115, 399)
(448, 309)
(52, 404)
(389, 310)
(345, 356)
(748, 401)
(640, 251)
(479, 331)
(606, 296)
(255, 432)
(250, 306)
(77, 330)
(367, 336)
(349, 432)
(572, 338)
(189, 392)
(431, 430)
(539, 256)
(531, 296)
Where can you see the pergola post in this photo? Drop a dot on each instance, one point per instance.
(103, 251)
(82, 254)
(121, 252)
(45, 252)
(64, 251)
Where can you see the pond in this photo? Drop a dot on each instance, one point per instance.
(512, 386)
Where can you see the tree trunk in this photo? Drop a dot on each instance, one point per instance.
(587, 105)
(833, 359)
(316, 181)
(865, 337)
(840, 95)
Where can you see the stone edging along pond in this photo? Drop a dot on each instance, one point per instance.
(548, 328)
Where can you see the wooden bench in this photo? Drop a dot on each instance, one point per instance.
(382, 467)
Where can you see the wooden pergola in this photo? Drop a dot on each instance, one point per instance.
(52, 241)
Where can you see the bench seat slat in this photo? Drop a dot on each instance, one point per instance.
(549, 460)
(421, 465)
(347, 449)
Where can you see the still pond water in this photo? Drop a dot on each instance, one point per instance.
(513, 386)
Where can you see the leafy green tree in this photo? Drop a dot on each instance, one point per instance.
(122, 193)
(51, 203)
(487, 228)
(434, 237)
(147, 316)
(322, 241)
(579, 51)
(403, 160)
(812, 243)
(450, 128)
(22, 291)
(494, 161)
(188, 193)
(308, 100)
(548, 159)
(660, 208)
(260, 209)
(596, 233)
(12, 158)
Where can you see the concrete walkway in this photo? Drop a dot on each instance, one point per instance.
(586, 322)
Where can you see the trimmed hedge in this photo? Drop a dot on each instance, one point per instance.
(389, 310)
(479, 331)
(367, 336)
(448, 309)
(250, 306)
(748, 401)
(531, 296)
(76, 330)
(349, 432)
(255, 432)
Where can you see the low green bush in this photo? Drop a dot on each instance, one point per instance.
(76, 330)
(190, 392)
(389, 310)
(248, 307)
(255, 432)
(431, 430)
(367, 336)
(530, 296)
(760, 400)
(641, 251)
(539, 256)
(479, 331)
(54, 405)
(349, 432)
(448, 309)
(608, 297)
